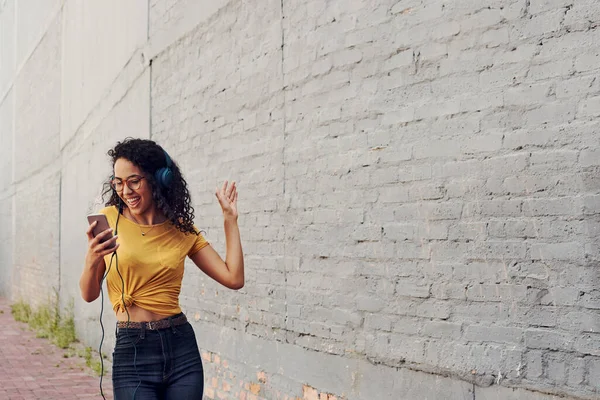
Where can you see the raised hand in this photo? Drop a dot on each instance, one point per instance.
(227, 196)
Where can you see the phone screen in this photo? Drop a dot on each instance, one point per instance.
(101, 226)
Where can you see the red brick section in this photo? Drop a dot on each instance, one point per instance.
(32, 368)
(221, 384)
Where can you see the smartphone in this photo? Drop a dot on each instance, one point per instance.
(100, 227)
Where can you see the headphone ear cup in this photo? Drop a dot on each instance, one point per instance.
(168, 177)
(164, 177)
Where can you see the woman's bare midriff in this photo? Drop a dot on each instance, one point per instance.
(138, 314)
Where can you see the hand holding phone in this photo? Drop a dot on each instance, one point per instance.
(100, 235)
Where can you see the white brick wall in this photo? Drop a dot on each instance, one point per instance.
(6, 193)
(419, 184)
(37, 108)
(7, 45)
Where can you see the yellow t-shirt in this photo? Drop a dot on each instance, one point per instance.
(151, 265)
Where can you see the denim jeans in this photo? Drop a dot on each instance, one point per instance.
(160, 364)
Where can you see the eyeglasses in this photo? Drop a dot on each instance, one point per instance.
(133, 182)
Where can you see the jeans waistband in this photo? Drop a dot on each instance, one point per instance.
(169, 322)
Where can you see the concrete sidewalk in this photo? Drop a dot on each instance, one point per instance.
(32, 368)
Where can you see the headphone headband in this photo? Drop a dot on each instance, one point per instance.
(168, 159)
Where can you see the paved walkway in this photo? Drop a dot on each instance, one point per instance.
(32, 368)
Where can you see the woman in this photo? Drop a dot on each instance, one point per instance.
(156, 355)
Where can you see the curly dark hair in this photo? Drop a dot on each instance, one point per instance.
(174, 201)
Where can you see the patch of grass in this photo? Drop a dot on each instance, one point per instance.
(48, 322)
(87, 355)
(94, 364)
(21, 311)
(64, 334)
(97, 368)
(43, 322)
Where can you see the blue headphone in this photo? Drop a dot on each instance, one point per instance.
(164, 175)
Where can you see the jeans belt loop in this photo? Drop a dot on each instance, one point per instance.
(143, 333)
(171, 325)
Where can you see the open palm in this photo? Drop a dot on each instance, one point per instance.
(227, 196)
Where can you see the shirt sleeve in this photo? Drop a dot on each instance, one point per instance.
(198, 245)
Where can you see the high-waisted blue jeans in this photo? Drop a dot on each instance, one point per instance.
(162, 364)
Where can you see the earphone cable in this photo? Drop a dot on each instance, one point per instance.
(116, 258)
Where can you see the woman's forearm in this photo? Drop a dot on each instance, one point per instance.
(234, 257)
(89, 283)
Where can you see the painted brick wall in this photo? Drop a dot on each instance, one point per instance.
(433, 202)
(36, 158)
(419, 188)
